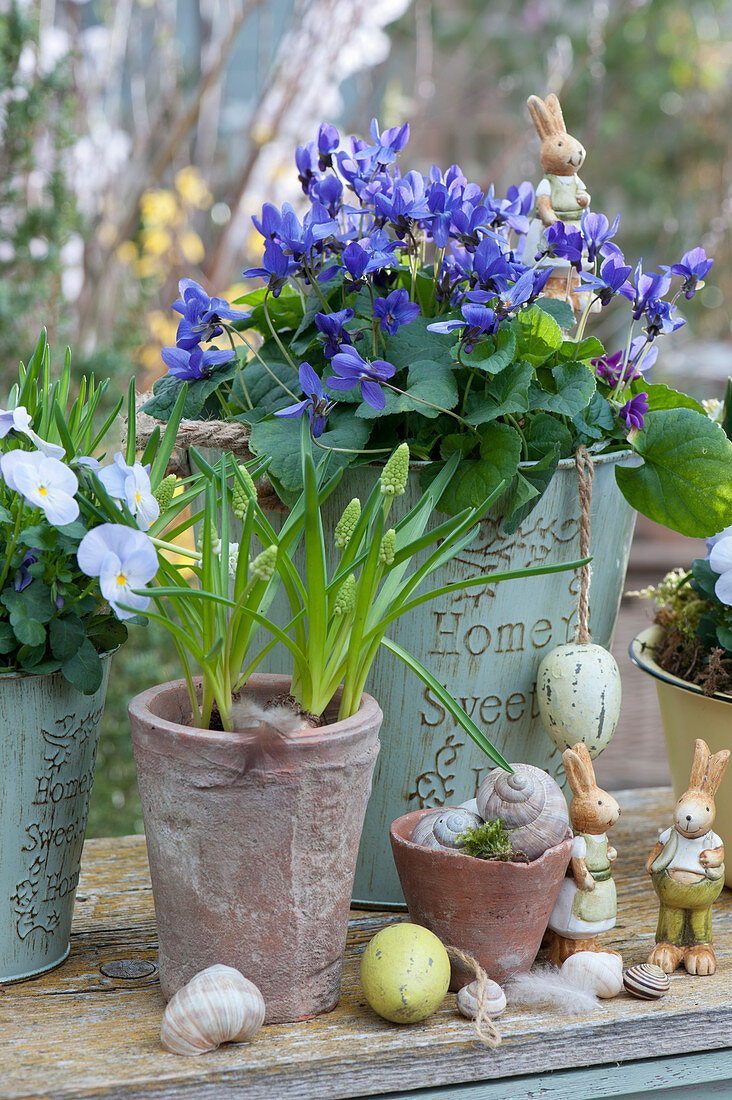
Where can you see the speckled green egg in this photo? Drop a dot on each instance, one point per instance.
(405, 973)
(578, 691)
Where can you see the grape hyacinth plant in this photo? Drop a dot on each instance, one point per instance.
(215, 606)
(403, 306)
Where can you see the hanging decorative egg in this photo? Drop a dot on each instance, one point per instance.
(531, 805)
(646, 981)
(578, 690)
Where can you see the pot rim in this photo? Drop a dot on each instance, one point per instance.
(641, 651)
(139, 706)
(450, 853)
(41, 675)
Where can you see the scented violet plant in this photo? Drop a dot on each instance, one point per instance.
(403, 306)
(77, 537)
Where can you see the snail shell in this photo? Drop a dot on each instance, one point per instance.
(471, 804)
(578, 690)
(467, 999)
(422, 831)
(219, 1005)
(451, 823)
(646, 981)
(599, 971)
(530, 803)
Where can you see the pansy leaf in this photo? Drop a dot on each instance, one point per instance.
(84, 669)
(37, 537)
(8, 641)
(543, 433)
(34, 602)
(560, 310)
(596, 421)
(279, 439)
(685, 480)
(704, 577)
(477, 478)
(575, 385)
(663, 397)
(106, 633)
(724, 637)
(65, 635)
(537, 335)
(492, 355)
(507, 393)
(285, 311)
(589, 348)
(428, 380)
(263, 387)
(412, 343)
(532, 481)
(455, 441)
(167, 389)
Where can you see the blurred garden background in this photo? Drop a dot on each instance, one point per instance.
(137, 137)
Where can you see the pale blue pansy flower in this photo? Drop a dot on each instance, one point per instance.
(19, 420)
(132, 485)
(720, 560)
(124, 559)
(44, 482)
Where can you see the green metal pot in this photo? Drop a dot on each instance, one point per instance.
(48, 744)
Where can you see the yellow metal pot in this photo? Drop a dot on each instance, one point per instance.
(687, 713)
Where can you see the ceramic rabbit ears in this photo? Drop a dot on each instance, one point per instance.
(546, 115)
(707, 770)
(578, 766)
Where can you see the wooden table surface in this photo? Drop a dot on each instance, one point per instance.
(77, 1032)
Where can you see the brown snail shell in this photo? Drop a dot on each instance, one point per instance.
(467, 999)
(530, 803)
(219, 1005)
(453, 821)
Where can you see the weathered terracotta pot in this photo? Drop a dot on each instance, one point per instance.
(497, 912)
(252, 854)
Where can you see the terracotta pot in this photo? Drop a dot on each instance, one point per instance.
(252, 854)
(497, 912)
(687, 713)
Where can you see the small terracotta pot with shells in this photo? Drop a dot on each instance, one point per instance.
(496, 910)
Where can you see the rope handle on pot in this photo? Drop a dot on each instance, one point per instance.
(585, 474)
(486, 1031)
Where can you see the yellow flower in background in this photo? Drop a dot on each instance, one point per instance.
(155, 242)
(191, 186)
(191, 246)
(160, 208)
(126, 252)
(162, 326)
(148, 267)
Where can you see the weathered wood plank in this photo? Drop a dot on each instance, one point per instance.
(78, 1033)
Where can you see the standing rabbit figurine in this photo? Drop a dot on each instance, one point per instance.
(586, 904)
(687, 870)
(561, 195)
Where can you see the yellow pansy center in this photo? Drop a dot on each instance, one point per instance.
(121, 579)
(43, 490)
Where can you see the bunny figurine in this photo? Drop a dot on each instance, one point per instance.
(586, 904)
(561, 195)
(687, 870)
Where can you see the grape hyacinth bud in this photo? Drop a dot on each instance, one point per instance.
(347, 524)
(387, 548)
(240, 497)
(346, 598)
(215, 541)
(264, 564)
(396, 471)
(164, 492)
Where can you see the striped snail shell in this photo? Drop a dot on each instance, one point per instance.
(422, 831)
(646, 981)
(451, 823)
(530, 803)
(219, 1005)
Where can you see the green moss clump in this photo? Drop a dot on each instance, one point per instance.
(488, 841)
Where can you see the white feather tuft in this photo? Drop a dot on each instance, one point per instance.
(546, 986)
(246, 713)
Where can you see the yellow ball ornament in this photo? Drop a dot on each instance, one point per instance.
(405, 973)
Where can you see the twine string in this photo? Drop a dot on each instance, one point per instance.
(486, 1031)
(585, 474)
